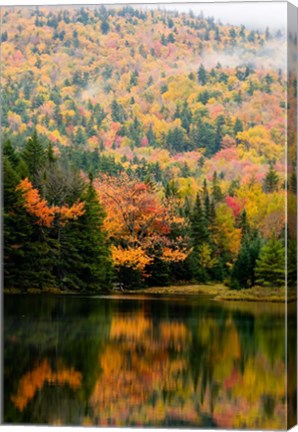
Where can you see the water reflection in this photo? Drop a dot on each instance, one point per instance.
(143, 362)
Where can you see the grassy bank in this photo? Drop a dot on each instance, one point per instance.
(219, 292)
(222, 293)
(214, 290)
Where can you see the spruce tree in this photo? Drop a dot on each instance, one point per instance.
(245, 229)
(216, 190)
(199, 235)
(84, 261)
(271, 180)
(199, 231)
(27, 250)
(270, 268)
(10, 153)
(207, 209)
(243, 271)
(238, 127)
(34, 156)
(202, 75)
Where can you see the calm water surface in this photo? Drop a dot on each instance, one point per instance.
(141, 361)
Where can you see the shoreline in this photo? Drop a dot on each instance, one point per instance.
(218, 292)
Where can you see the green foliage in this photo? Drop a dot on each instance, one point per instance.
(202, 75)
(177, 141)
(104, 27)
(118, 113)
(217, 194)
(84, 261)
(34, 156)
(270, 268)
(199, 238)
(271, 180)
(162, 123)
(73, 255)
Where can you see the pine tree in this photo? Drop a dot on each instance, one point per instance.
(238, 127)
(151, 136)
(27, 251)
(84, 262)
(199, 231)
(216, 190)
(243, 271)
(199, 236)
(207, 210)
(118, 113)
(219, 125)
(10, 153)
(34, 156)
(202, 75)
(241, 268)
(271, 180)
(270, 268)
(105, 27)
(245, 229)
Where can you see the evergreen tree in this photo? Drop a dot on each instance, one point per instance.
(134, 78)
(243, 271)
(177, 140)
(238, 127)
(270, 268)
(207, 211)
(271, 180)
(216, 190)
(199, 231)
(34, 156)
(245, 229)
(84, 261)
(186, 117)
(151, 136)
(199, 236)
(219, 124)
(118, 113)
(27, 249)
(204, 136)
(202, 75)
(10, 153)
(105, 27)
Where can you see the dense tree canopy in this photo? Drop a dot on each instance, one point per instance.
(177, 145)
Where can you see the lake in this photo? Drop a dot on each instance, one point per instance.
(143, 361)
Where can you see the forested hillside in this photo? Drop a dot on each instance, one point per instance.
(141, 146)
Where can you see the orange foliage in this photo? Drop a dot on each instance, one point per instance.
(34, 380)
(137, 216)
(175, 255)
(35, 205)
(39, 207)
(131, 257)
(71, 213)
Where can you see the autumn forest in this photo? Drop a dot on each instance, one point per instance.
(141, 148)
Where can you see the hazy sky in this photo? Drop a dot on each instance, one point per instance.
(252, 14)
(257, 15)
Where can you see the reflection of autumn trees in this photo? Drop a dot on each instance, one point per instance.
(140, 367)
(143, 362)
(34, 380)
(157, 372)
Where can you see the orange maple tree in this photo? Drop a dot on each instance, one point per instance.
(45, 214)
(137, 222)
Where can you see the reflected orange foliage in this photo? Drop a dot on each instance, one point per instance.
(34, 380)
